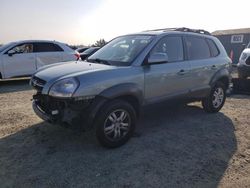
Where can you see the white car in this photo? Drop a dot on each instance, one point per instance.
(23, 58)
(244, 63)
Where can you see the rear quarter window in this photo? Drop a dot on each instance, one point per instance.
(213, 48)
(197, 48)
(47, 47)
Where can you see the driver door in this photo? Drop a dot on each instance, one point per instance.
(169, 79)
(19, 61)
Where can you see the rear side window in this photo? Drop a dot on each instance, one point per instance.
(47, 47)
(213, 48)
(197, 48)
(172, 46)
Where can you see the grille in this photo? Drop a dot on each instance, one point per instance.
(38, 83)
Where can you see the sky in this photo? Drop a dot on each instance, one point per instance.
(83, 22)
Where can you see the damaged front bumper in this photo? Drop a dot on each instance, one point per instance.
(71, 111)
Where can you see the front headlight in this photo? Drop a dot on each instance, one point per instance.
(64, 88)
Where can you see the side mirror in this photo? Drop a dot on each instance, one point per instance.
(157, 58)
(11, 53)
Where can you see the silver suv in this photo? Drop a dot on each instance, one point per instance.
(108, 90)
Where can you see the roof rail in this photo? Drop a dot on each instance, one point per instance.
(200, 31)
(164, 29)
(183, 29)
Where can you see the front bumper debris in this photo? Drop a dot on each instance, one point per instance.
(61, 111)
(40, 113)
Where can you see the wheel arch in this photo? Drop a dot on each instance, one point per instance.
(223, 76)
(132, 100)
(224, 80)
(130, 93)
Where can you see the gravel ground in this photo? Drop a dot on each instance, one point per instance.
(172, 147)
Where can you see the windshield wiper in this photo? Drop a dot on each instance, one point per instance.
(97, 60)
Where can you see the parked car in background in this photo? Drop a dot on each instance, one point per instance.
(81, 50)
(88, 52)
(129, 72)
(23, 58)
(244, 63)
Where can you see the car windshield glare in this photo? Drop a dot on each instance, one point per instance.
(122, 50)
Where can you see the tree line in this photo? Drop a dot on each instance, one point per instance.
(98, 43)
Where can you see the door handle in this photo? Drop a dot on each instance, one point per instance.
(181, 72)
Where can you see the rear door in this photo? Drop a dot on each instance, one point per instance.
(201, 53)
(21, 62)
(47, 53)
(168, 79)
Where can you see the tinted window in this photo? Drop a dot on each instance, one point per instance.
(213, 48)
(90, 50)
(47, 47)
(172, 46)
(81, 50)
(197, 48)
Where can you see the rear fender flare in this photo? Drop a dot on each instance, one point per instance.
(221, 74)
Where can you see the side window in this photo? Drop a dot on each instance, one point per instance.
(197, 48)
(22, 48)
(47, 47)
(213, 48)
(172, 46)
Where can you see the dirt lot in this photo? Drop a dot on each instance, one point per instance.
(172, 147)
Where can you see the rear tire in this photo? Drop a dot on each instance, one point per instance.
(216, 99)
(115, 123)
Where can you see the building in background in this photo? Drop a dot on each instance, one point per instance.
(234, 41)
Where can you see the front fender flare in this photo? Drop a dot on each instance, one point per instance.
(127, 89)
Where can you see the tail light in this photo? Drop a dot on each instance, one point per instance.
(77, 56)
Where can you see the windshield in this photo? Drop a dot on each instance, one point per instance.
(122, 50)
(90, 50)
(2, 48)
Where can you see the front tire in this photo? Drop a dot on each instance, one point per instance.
(115, 123)
(216, 99)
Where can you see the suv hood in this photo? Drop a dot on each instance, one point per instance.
(55, 71)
